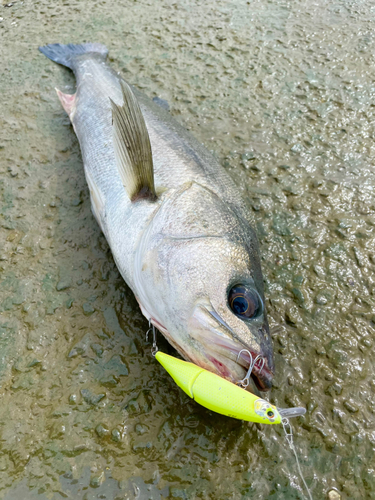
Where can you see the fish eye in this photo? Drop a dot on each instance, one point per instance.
(244, 302)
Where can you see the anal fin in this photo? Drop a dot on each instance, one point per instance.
(132, 147)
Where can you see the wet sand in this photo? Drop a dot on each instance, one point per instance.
(283, 94)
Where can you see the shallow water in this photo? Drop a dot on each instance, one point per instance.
(283, 93)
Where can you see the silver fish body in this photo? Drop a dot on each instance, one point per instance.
(182, 253)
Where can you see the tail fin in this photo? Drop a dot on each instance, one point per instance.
(65, 54)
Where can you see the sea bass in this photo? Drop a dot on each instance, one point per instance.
(180, 234)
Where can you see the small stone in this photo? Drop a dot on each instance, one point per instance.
(248, 156)
(143, 446)
(75, 352)
(132, 407)
(12, 172)
(101, 430)
(141, 429)
(63, 284)
(292, 315)
(96, 481)
(97, 348)
(321, 299)
(333, 389)
(317, 183)
(319, 416)
(320, 350)
(105, 270)
(102, 335)
(34, 362)
(109, 381)
(88, 308)
(298, 295)
(333, 495)
(7, 305)
(90, 398)
(366, 342)
(73, 399)
(297, 148)
(116, 436)
(57, 431)
(351, 406)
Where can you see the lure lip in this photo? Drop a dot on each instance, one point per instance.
(297, 411)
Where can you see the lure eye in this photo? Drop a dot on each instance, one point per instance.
(244, 302)
(270, 413)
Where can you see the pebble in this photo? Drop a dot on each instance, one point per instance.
(141, 429)
(97, 348)
(96, 481)
(321, 299)
(69, 303)
(333, 495)
(101, 430)
(63, 285)
(88, 308)
(298, 295)
(89, 397)
(351, 406)
(73, 399)
(109, 381)
(116, 436)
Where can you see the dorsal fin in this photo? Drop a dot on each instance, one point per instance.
(132, 147)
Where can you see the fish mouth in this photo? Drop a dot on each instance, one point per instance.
(261, 375)
(227, 354)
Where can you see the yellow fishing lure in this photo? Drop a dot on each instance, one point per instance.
(220, 395)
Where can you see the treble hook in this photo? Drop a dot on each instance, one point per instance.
(245, 381)
(154, 348)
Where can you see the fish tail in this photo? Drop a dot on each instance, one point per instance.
(67, 54)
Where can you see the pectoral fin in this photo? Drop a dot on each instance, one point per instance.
(68, 102)
(132, 147)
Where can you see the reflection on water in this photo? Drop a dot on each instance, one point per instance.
(283, 94)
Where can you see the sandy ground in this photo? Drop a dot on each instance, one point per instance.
(283, 94)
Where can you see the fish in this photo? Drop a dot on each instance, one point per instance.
(180, 233)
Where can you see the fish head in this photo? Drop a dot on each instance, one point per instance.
(205, 294)
(230, 320)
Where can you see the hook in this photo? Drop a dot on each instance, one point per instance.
(154, 348)
(245, 381)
